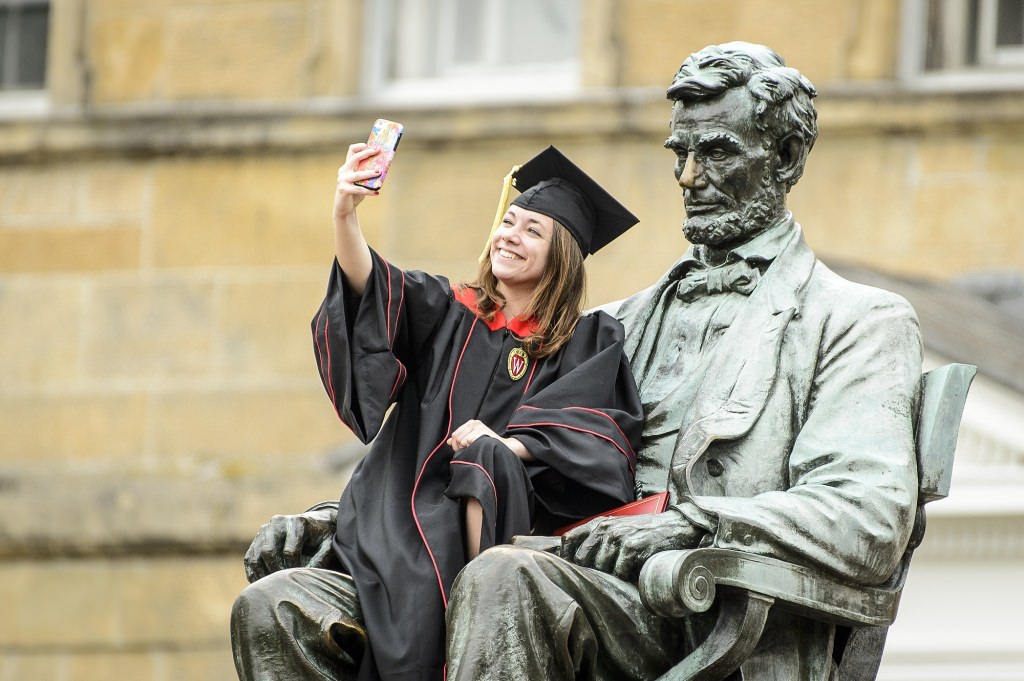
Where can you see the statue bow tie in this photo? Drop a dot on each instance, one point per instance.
(739, 276)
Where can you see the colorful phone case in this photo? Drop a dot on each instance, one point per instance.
(385, 135)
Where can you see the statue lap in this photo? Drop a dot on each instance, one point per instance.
(511, 603)
(301, 624)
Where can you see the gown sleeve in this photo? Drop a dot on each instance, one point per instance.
(366, 345)
(584, 427)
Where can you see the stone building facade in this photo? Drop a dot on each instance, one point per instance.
(165, 194)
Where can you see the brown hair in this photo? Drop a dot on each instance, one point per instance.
(557, 302)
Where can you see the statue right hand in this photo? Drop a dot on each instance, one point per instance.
(301, 540)
(621, 545)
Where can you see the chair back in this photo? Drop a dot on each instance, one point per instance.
(943, 395)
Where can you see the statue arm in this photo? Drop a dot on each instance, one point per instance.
(852, 466)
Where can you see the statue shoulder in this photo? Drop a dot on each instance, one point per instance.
(855, 299)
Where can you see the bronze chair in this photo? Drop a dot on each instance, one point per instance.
(746, 586)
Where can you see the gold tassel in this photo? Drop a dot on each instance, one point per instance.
(506, 189)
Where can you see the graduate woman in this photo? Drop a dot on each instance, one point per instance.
(510, 411)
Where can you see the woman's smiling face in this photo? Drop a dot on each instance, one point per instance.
(520, 248)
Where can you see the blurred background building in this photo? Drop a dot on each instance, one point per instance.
(166, 177)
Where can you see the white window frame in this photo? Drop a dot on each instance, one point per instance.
(26, 102)
(999, 68)
(988, 52)
(484, 82)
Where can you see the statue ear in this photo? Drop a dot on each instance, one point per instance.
(792, 154)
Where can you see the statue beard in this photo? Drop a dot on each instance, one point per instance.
(738, 226)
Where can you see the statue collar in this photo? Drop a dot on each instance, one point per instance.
(761, 250)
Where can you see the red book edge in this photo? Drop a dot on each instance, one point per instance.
(656, 503)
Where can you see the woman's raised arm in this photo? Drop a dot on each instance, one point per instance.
(349, 244)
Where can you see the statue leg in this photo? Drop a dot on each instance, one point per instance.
(299, 624)
(518, 613)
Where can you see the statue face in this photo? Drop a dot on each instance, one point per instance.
(724, 169)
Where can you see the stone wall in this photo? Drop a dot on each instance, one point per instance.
(165, 238)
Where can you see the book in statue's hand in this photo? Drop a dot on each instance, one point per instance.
(656, 503)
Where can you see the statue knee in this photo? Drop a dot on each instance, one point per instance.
(255, 605)
(498, 571)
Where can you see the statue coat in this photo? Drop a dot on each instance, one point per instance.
(800, 440)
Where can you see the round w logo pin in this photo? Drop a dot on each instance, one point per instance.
(517, 362)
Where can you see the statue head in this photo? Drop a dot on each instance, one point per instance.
(742, 126)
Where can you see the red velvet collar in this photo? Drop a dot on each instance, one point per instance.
(520, 327)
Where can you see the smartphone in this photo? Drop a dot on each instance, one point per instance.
(385, 135)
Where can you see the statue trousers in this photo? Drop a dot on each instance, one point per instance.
(301, 624)
(516, 613)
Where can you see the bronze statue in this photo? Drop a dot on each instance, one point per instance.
(779, 402)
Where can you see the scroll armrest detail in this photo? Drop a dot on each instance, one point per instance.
(681, 583)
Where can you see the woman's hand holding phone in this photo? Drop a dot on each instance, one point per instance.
(384, 135)
(365, 167)
(349, 194)
(349, 245)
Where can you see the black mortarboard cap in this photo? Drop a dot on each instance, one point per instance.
(553, 185)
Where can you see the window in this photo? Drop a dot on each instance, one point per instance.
(23, 40)
(1001, 33)
(964, 43)
(436, 50)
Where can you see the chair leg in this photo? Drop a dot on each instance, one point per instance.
(863, 654)
(741, 619)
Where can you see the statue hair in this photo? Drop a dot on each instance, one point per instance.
(783, 95)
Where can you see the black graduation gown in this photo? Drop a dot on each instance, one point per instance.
(408, 341)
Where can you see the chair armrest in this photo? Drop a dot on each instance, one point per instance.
(323, 506)
(544, 543)
(681, 583)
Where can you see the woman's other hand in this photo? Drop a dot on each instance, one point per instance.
(472, 430)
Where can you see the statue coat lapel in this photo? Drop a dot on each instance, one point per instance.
(744, 369)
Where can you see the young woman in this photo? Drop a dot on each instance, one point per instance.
(510, 412)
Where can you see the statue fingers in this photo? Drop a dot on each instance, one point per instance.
(291, 549)
(255, 566)
(573, 539)
(323, 556)
(273, 536)
(270, 559)
(251, 562)
(631, 556)
(596, 546)
(607, 556)
(580, 553)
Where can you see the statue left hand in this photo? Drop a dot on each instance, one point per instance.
(288, 541)
(621, 546)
